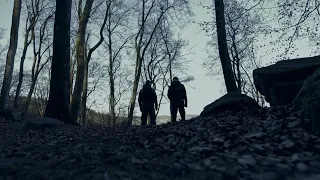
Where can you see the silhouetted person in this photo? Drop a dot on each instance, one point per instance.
(147, 102)
(178, 99)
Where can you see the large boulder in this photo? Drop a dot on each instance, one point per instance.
(281, 82)
(41, 123)
(308, 100)
(230, 102)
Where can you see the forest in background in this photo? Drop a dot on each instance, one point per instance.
(115, 45)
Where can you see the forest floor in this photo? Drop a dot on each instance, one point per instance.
(266, 144)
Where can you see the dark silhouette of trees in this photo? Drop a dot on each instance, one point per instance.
(244, 26)
(223, 47)
(6, 85)
(59, 96)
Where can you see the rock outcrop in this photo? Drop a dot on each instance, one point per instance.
(281, 82)
(42, 122)
(230, 102)
(308, 100)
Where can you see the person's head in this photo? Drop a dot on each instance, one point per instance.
(175, 79)
(148, 83)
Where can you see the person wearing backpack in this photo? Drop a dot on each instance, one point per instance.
(178, 99)
(148, 103)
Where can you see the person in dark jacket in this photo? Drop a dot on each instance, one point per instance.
(148, 103)
(178, 99)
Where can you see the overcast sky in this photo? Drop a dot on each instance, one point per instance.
(203, 90)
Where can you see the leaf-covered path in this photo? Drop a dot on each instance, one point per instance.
(266, 144)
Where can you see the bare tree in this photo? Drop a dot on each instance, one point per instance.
(34, 8)
(297, 20)
(243, 26)
(26, 44)
(289, 22)
(80, 54)
(116, 40)
(6, 85)
(41, 47)
(87, 59)
(122, 92)
(248, 85)
(76, 13)
(96, 71)
(59, 97)
(223, 47)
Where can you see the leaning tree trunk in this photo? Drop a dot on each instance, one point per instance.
(21, 72)
(237, 70)
(14, 34)
(85, 91)
(78, 87)
(59, 96)
(223, 48)
(87, 61)
(135, 87)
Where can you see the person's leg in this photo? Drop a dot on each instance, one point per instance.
(182, 113)
(173, 110)
(144, 117)
(152, 114)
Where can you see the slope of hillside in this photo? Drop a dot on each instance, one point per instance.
(265, 144)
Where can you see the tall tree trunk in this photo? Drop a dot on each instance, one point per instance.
(37, 56)
(59, 96)
(72, 64)
(85, 91)
(21, 72)
(112, 102)
(135, 87)
(111, 76)
(239, 80)
(236, 60)
(223, 48)
(14, 34)
(78, 87)
(112, 90)
(87, 61)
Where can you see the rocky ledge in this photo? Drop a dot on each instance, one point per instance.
(263, 144)
(281, 82)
